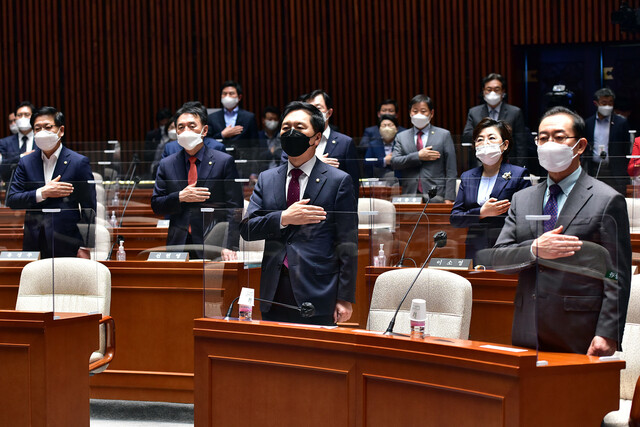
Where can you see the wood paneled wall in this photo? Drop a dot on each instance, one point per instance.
(111, 64)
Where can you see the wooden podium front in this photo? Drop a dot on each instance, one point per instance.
(44, 367)
(271, 374)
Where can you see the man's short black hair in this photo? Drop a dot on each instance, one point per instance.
(317, 119)
(327, 99)
(163, 114)
(26, 104)
(495, 76)
(420, 98)
(578, 122)
(232, 83)
(58, 117)
(192, 107)
(388, 101)
(503, 129)
(270, 109)
(384, 117)
(605, 91)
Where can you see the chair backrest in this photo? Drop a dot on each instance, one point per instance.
(254, 248)
(447, 294)
(631, 343)
(76, 285)
(101, 196)
(633, 209)
(376, 213)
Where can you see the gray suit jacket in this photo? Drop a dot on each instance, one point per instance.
(510, 114)
(441, 173)
(561, 304)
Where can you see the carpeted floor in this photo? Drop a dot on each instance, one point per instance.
(130, 413)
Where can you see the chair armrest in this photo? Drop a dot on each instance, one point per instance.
(634, 415)
(110, 348)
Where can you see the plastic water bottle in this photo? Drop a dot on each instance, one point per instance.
(121, 255)
(382, 259)
(113, 221)
(245, 312)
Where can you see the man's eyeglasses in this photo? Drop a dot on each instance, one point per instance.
(558, 137)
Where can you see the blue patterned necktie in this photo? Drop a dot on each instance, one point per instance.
(551, 208)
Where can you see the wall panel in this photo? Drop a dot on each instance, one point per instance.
(111, 64)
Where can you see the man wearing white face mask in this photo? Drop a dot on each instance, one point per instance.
(270, 146)
(575, 265)
(193, 178)
(494, 90)
(13, 126)
(425, 154)
(17, 145)
(53, 177)
(235, 127)
(609, 144)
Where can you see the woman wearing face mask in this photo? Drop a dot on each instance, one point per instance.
(381, 149)
(485, 192)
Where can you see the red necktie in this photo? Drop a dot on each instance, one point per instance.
(192, 178)
(419, 146)
(293, 195)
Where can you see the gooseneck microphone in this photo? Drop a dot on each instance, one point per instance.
(136, 181)
(306, 309)
(603, 157)
(430, 194)
(439, 240)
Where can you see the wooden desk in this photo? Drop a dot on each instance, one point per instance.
(492, 307)
(264, 373)
(44, 367)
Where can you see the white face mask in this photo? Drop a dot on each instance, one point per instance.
(14, 128)
(271, 124)
(555, 157)
(492, 98)
(420, 120)
(24, 123)
(605, 110)
(46, 140)
(229, 102)
(489, 154)
(172, 134)
(189, 139)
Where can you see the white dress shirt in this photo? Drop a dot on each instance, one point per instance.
(323, 142)
(49, 165)
(306, 169)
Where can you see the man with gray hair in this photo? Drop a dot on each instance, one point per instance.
(609, 144)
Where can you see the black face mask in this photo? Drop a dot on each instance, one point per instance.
(294, 142)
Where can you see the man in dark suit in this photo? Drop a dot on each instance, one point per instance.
(235, 127)
(425, 155)
(17, 145)
(387, 107)
(194, 178)
(173, 147)
(494, 89)
(155, 137)
(335, 148)
(609, 143)
(306, 212)
(563, 302)
(53, 177)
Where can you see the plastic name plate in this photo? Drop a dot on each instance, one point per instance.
(168, 256)
(451, 263)
(163, 223)
(19, 255)
(404, 199)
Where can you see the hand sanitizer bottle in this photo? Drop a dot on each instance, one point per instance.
(113, 221)
(382, 259)
(122, 255)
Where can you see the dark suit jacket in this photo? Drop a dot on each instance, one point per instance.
(483, 233)
(322, 257)
(218, 173)
(377, 168)
(244, 144)
(10, 150)
(340, 146)
(370, 134)
(619, 148)
(511, 114)
(173, 146)
(570, 305)
(60, 229)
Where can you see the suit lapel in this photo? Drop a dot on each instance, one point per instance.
(474, 184)
(179, 167)
(37, 166)
(500, 182)
(280, 187)
(220, 119)
(580, 194)
(62, 163)
(331, 144)
(206, 166)
(535, 208)
(316, 181)
(503, 112)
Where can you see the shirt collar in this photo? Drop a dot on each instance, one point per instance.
(232, 112)
(497, 107)
(327, 132)
(566, 184)
(55, 155)
(306, 168)
(425, 130)
(29, 135)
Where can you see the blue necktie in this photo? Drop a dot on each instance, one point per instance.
(551, 208)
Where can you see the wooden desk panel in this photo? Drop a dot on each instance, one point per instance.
(44, 366)
(352, 378)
